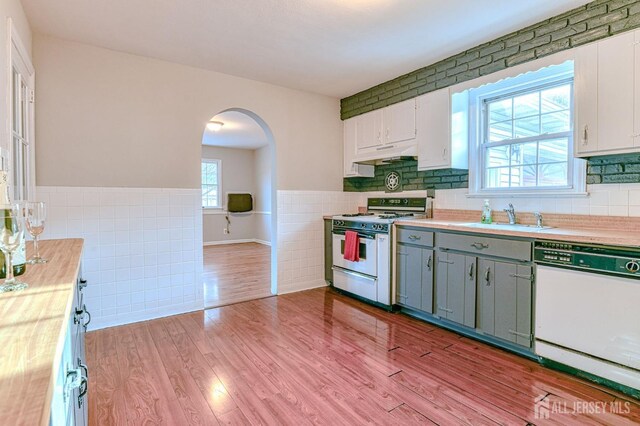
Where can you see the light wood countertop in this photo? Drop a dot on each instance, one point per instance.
(33, 323)
(606, 236)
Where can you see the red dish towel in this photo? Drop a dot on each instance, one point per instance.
(351, 246)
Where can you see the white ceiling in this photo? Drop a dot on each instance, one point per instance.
(333, 47)
(239, 131)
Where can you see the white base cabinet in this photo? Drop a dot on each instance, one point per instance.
(69, 401)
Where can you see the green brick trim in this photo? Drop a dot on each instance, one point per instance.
(594, 21)
(624, 168)
(412, 179)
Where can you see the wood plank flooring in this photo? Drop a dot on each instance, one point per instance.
(317, 357)
(236, 273)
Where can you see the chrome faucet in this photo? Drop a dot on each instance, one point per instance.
(538, 216)
(512, 214)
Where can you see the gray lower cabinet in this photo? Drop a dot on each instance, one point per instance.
(414, 279)
(456, 287)
(505, 293)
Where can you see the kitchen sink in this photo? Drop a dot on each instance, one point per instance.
(506, 226)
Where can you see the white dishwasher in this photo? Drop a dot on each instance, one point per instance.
(587, 311)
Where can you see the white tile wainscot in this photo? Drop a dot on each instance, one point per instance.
(603, 200)
(301, 235)
(143, 248)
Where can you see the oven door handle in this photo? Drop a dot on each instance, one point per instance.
(353, 273)
(360, 234)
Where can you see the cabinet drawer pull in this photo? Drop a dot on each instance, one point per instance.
(524, 277)
(402, 254)
(487, 275)
(429, 263)
(480, 246)
(415, 237)
(385, 147)
(82, 284)
(585, 135)
(471, 271)
(449, 262)
(525, 335)
(440, 308)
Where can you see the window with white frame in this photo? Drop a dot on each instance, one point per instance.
(211, 183)
(524, 135)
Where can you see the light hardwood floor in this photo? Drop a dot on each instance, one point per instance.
(236, 273)
(317, 357)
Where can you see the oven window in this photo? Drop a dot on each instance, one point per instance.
(363, 249)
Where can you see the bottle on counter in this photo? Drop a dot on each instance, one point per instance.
(20, 255)
(486, 213)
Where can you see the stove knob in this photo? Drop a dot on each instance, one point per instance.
(376, 227)
(363, 225)
(405, 201)
(632, 266)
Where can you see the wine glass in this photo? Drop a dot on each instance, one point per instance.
(35, 215)
(11, 234)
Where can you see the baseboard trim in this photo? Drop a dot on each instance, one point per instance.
(133, 317)
(246, 240)
(305, 286)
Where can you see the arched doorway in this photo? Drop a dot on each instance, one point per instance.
(231, 133)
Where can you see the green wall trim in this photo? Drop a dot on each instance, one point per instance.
(593, 21)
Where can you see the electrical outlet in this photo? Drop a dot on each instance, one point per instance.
(226, 231)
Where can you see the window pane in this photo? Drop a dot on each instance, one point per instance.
(498, 156)
(500, 110)
(523, 176)
(497, 178)
(524, 153)
(554, 151)
(500, 131)
(556, 122)
(526, 127)
(526, 105)
(556, 98)
(553, 174)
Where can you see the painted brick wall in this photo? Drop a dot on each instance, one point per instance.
(596, 20)
(411, 178)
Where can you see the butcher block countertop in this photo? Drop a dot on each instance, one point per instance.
(33, 323)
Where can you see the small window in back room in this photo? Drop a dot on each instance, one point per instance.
(211, 184)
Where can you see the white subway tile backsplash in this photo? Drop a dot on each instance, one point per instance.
(127, 256)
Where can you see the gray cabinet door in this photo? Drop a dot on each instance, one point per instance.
(504, 301)
(427, 280)
(409, 276)
(455, 287)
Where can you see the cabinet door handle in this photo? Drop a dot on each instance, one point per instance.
(387, 134)
(471, 271)
(525, 335)
(480, 246)
(83, 283)
(414, 237)
(444, 153)
(84, 368)
(84, 308)
(524, 277)
(429, 263)
(450, 262)
(440, 308)
(487, 275)
(84, 387)
(379, 134)
(585, 135)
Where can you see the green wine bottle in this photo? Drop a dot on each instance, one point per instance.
(20, 255)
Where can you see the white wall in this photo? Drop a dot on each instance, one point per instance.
(238, 175)
(262, 185)
(112, 119)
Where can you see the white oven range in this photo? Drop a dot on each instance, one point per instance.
(369, 278)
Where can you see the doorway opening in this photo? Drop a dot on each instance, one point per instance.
(238, 209)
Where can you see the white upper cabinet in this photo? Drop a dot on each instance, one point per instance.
(607, 96)
(442, 131)
(386, 132)
(369, 131)
(351, 168)
(399, 122)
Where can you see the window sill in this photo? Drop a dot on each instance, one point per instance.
(547, 194)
